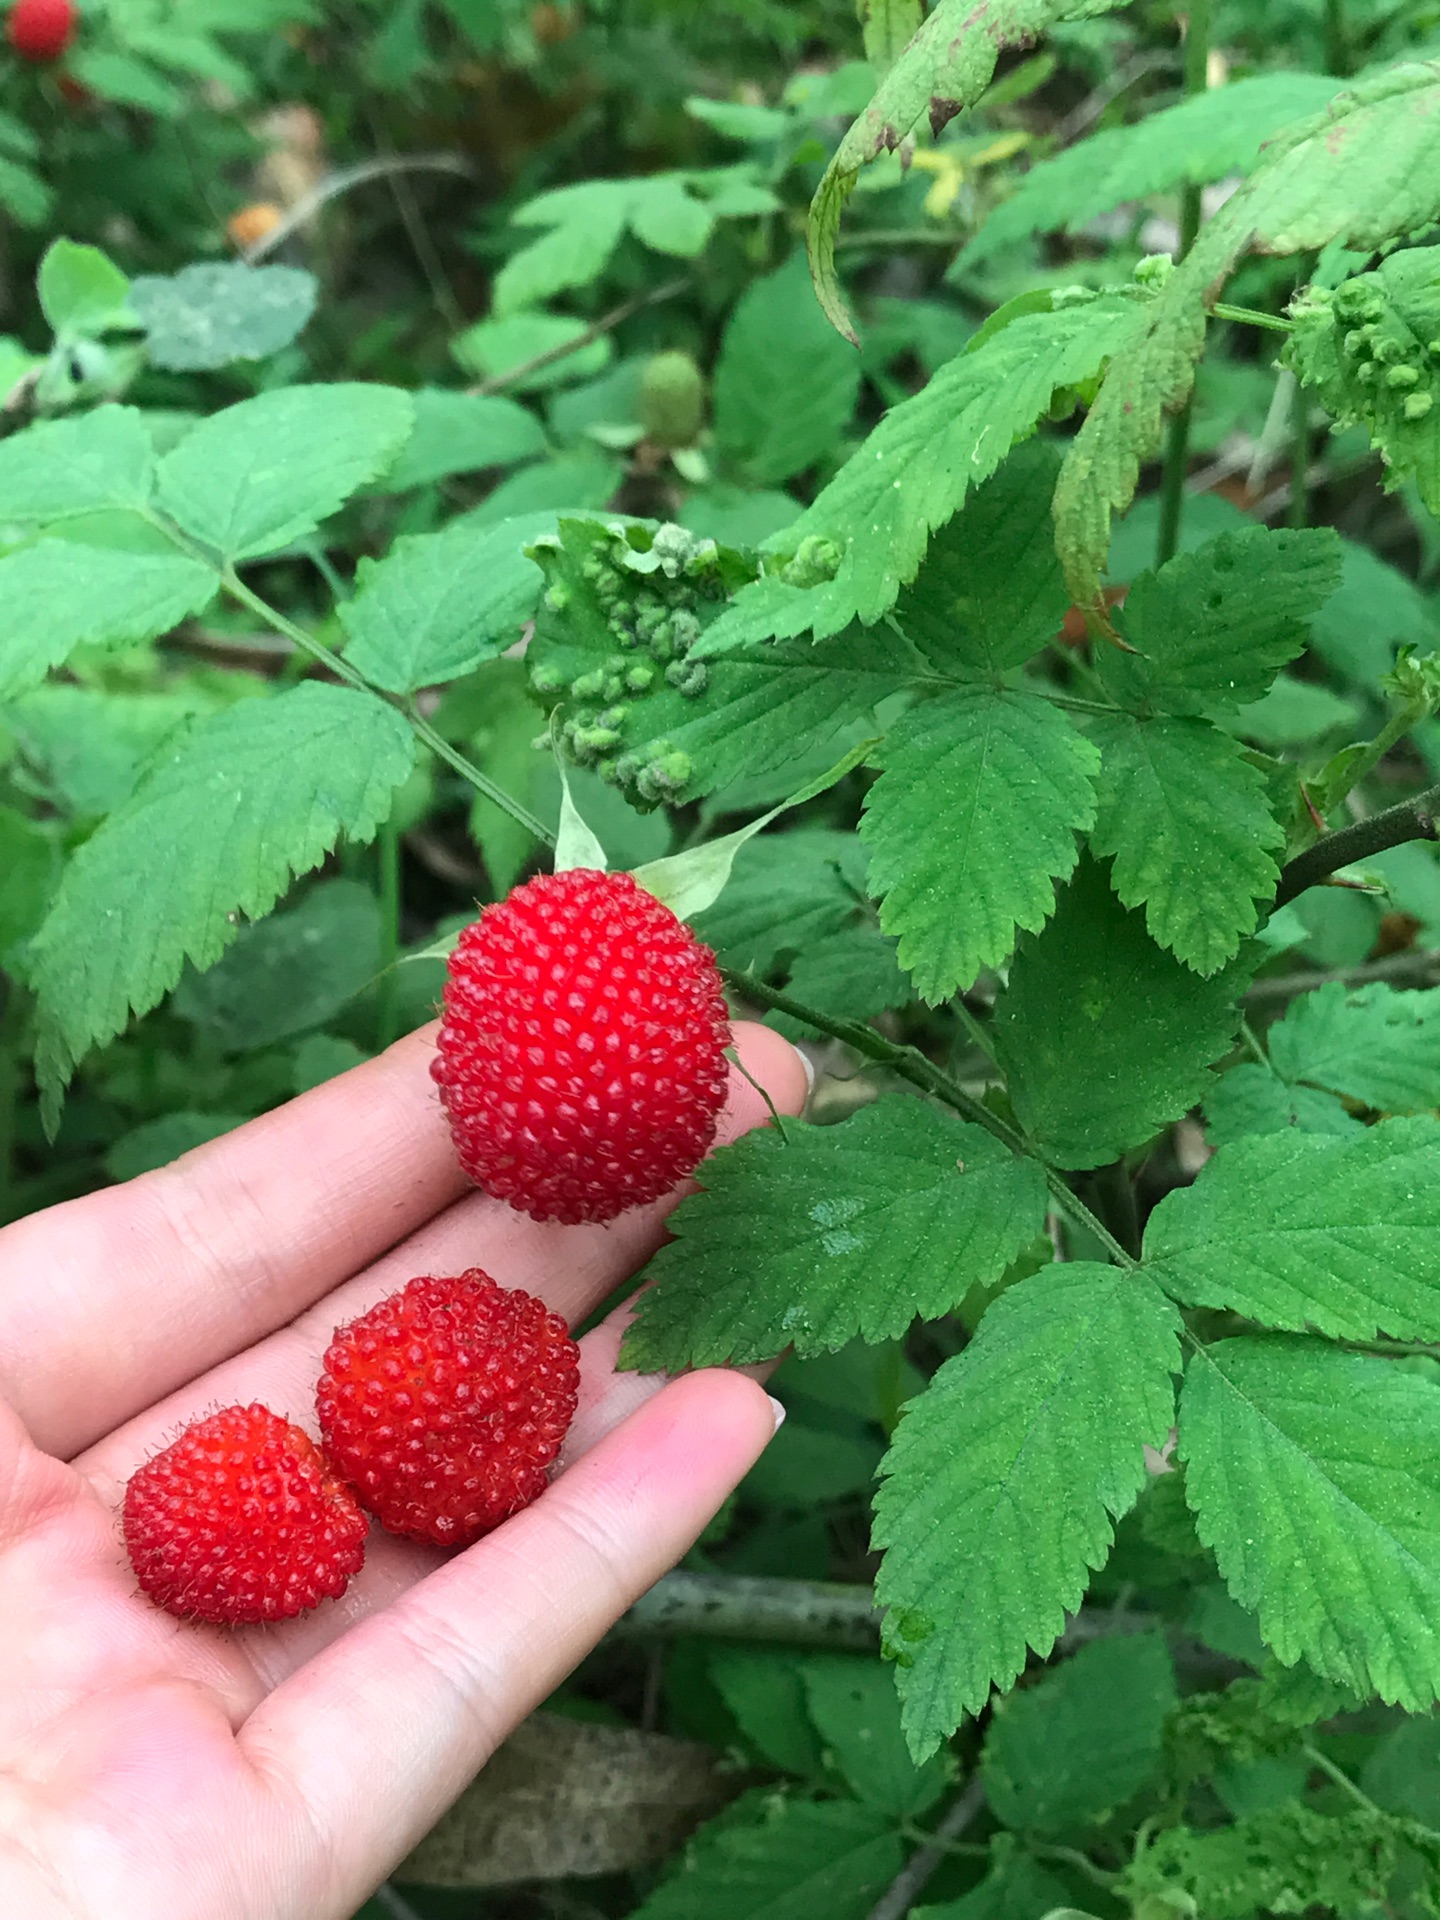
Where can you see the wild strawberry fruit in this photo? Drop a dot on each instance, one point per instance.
(582, 1050)
(444, 1405)
(241, 1520)
(41, 30)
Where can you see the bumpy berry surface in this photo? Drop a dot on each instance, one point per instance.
(581, 1055)
(241, 1520)
(40, 29)
(444, 1405)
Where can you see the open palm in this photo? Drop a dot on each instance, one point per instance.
(150, 1766)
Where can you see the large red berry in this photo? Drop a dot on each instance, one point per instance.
(582, 1051)
(445, 1404)
(41, 29)
(241, 1520)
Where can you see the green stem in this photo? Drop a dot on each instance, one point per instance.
(1177, 437)
(1324, 1764)
(387, 991)
(1301, 454)
(1337, 40)
(342, 669)
(912, 1065)
(1417, 819)
(1252, 317)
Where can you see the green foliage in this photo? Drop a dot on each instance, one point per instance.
(1005, 1476)
(208, 316)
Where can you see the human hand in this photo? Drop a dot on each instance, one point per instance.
(152, 1766)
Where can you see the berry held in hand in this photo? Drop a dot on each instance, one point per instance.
(241, 1520)
(40, 30)
(445, 1404)
(582, 1050)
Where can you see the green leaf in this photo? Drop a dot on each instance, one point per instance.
(1074, 1748)
(971, 822)
(260, 474)
(1004, 1476)
(918, 466)
(1358, 173)
(1103, 1037)
(60, 594)
(61, 468)
(1315, 1477)
(461, 433)
(498, 348)
(24, 195)
(945, 67)
(1254, 1099)
(1374, 1044)
(89, 744)
(247, 799)
(440, 603)
(771, 1858)
(1188, 820)
(1214, 625)
(218, 312)
(29, 867)
(853, 975)
(1202, 139)
(785, 383)
(1015, 1888)
(811, 1236)
(787, 892)
(990, 591)
(288, 973)
(585, 223)
(888, 25)
(763, 1688)
(1304, 1229)
(81, 290)
(854, 1705)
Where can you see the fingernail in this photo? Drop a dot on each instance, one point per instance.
(778, 1411)
(809, 1066)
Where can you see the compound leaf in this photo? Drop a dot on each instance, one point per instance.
(1004, 1476)
(817, 1235)
(1315, 1477)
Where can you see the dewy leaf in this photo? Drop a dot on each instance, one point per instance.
(1201, 139)
(60, 468)
(217, 312)
(971, 822)
(440, 603)
(1362, 171)
(785, 383)
(818, 1235)
(1104, 1038)
(990, 593)
(260, 474)
(1004, 1477)
(771, 1858)
(59, 595)
(1375, 1044)
(917, 467)
(1339, 1233)
(946, 66)
(1075, 1747)
(1315, 1477)
(248, 798)
(1214, 625)
(1188, 820)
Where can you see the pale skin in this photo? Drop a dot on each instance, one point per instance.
(150, 1766)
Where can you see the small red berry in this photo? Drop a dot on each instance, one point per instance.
(582, 1050)
(41, 30)
(241, 1520)
(444, 1405)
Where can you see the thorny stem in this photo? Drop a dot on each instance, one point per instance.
(912, 1065)
(1412, 820)
(1177, 442)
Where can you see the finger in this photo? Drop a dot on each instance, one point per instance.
(114, 1299)
(377, 1735)
(571, 1268)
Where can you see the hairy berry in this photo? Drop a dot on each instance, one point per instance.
(41, 30)
(445, 1404)
(582, 1052)
(241, 1520)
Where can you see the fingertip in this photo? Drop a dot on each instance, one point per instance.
(772, 1065)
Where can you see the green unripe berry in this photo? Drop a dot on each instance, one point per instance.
(672, 400)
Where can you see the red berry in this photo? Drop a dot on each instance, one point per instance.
(41, 29)
(582, 1051)
(241, 1520)
(445, 1404)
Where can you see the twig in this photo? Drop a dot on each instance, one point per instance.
(1411, 820)
(1420, 964)
(607, 323)
(341, 181)
(900, 1895)
(797, 1613)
